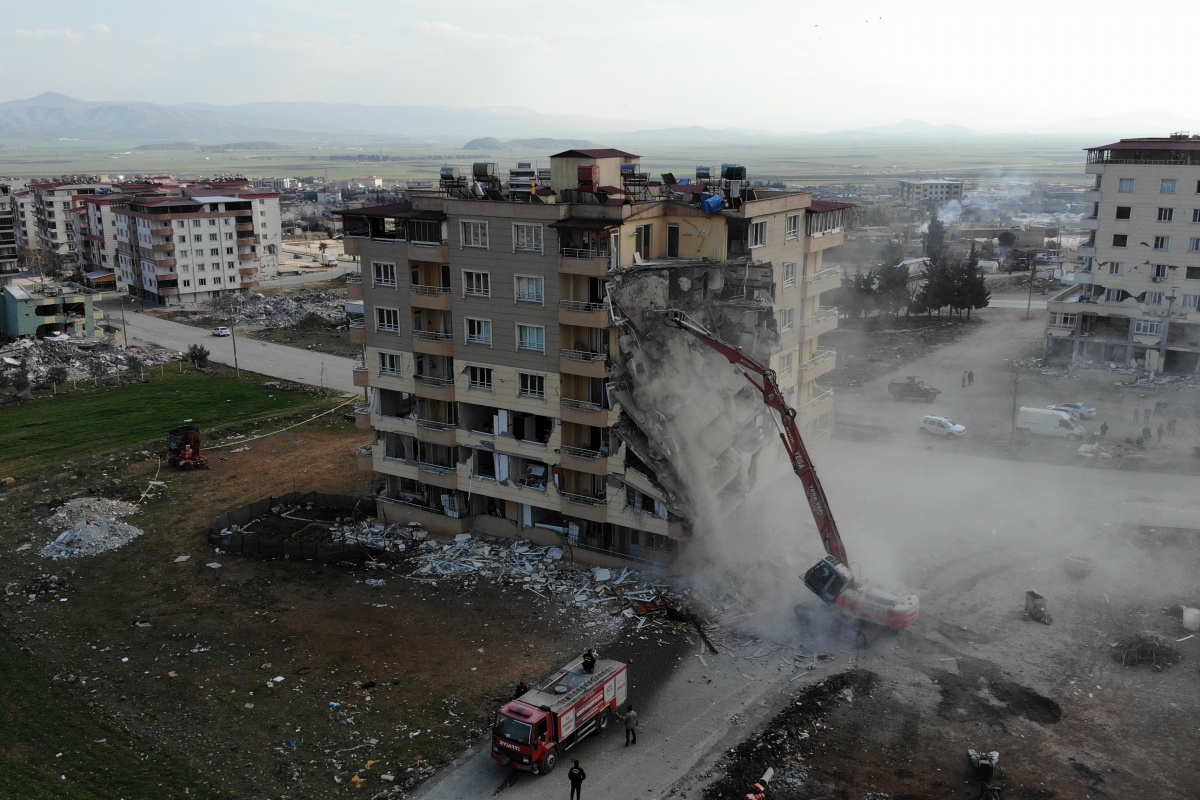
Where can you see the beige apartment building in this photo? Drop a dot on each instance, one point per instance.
(489, 335)
(1137, 295)
(931, 190)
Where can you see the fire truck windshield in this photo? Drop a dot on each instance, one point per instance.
(513, 730)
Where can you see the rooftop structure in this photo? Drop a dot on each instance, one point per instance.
(40, 310)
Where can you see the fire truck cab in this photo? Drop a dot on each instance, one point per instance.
(532, 731)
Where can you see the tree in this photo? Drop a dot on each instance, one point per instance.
(938, 291)
(973, 291)
(892, 288)
(892, 253)
(935, 238)
(323, 247)
(198, 354)
(58, 374)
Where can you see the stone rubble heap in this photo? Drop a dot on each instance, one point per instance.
(92, 526)
(307, 306)
(83, 359)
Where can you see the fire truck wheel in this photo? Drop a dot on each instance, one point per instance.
(550, 761)
(602, 723)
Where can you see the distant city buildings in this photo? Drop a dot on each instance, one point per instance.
(935, 190)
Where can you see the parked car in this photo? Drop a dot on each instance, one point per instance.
(912, 389)
(222, 331)
(940, 426)
(1049, 422)
(57, 336)
(1078, 409)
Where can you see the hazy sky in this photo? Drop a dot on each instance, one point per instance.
(781, 66)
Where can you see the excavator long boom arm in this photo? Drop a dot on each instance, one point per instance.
(763, 379)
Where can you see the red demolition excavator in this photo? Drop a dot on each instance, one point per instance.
(831, 578)
(183, 448)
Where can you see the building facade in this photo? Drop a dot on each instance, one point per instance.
(1136, 297)
(8, 237)
(54, 207)
(39, 310)
(931, 190)
(489, 335)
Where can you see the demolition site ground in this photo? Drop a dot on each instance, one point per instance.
(398, 678)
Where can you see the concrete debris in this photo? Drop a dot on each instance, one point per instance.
(1146, 648)
(43, 587)
(90, 537)
(88, 508)
(311, 307)
(82, 360)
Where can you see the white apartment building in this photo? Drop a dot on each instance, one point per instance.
(931, 190)
(1137, 297)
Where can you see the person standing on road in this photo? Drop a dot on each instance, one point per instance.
(1161, 428)
(577, 776)
(970, 377)
(1103, 430)
(1171, 428)
(1146, 421)
(630, 718)
(1146, 434)
(964, 379)
(1137, 412)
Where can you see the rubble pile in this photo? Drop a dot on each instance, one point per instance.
(85, 508)
(43, 587)
(305, 307)
(89, 537)
(83, 359)
(1146, 648)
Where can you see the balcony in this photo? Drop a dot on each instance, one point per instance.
(435, 388)
(247, 256)
(825, 239)
(433, 432)
(580, 261)
(437, 298)
(166, 276)
(824, 361)
(823, 281)
(583, 362)
(362, 416)
(161, 247)
(354, 290)
(1087, 251)
(165, 262)
(823, 322)
(165, 291)
(246, 241)
(585, 507)
(437, 475)
(583, 315)
(248, 270)
(244, 226)
(366, 458)
(162, 232)
(1091, 196)
(1089, 224)
(437, 252)
(361, 375)
(583, 412)
(434, 343)
(577, 458)
(358, 333)
(254, 285)
(815, 407)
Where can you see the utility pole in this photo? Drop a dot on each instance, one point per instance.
(124, 327)
(1029, 303)
(1015, 378)
(233, 335)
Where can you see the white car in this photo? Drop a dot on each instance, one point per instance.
(57, 336)
(940, 426)
(1076, 409)
(222, 331)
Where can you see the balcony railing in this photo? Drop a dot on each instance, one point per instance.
(356, 322)
(823, 355)
(825, 395)
(410, 504)
(582, 355)
(419, 288)
(579, 452)
(580, 405)
(583, 499)
(434, 425)
(432, 336)
(433, 380)
(820, 316)
(353, 278)
(822, 275)
(437, 469)
(581, 252)
(575, 305)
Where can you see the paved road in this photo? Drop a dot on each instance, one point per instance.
(266, 358)
(1004, 302)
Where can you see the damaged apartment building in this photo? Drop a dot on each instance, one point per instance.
(1137, 297)
(521, 381)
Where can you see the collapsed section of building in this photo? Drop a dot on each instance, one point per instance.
(518, 381)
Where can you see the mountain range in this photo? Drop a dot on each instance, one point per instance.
(52, 116)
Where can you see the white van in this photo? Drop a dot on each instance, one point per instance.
(1048, 422)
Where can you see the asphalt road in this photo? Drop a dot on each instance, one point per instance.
(1004, 302)
(265, 358)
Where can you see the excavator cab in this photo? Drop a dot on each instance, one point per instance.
(828, 578)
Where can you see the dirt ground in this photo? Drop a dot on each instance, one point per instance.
(389, 680)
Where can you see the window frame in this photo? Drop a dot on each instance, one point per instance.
(524, 380)
(1120, 240)
(1168, 186)
(1116, 268)
(1128, 212)
(481, 323)
(480, 385)
(517, 298)
(487, 276)
(1123, 182)
(382, 327)
(1152, 327)
(539, 228)
(1166, 214)
(1162, 243)
(384, 357)
(462, 234)
(521, 347)
(790, 270)
(786, 364)
(791, 231)
(787, 319)
(382, 282)
(753, 240)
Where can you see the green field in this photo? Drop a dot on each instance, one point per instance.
(73, 424)
(832, 158)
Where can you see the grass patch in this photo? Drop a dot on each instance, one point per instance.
(40, 719)
(87, 421)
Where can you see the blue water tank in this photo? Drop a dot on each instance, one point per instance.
(712, 204)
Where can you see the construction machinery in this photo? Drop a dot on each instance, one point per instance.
(831, 578)
(183, 448)
(532, 730)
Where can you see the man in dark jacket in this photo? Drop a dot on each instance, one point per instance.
(577, 776)
(630, 718)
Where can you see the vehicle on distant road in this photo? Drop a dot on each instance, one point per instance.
(222, 331)
(941, 426)
(1078, 409)
(912, 389)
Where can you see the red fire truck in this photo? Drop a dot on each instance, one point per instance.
(532, 731)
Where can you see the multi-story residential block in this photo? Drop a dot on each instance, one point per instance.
(488, 338)
(1137, 295)
(8, 237)
(931, 190)
(24, 232)
(218, 238)
(54, 205)
(39, 310)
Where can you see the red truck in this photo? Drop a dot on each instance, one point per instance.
(534, 729)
